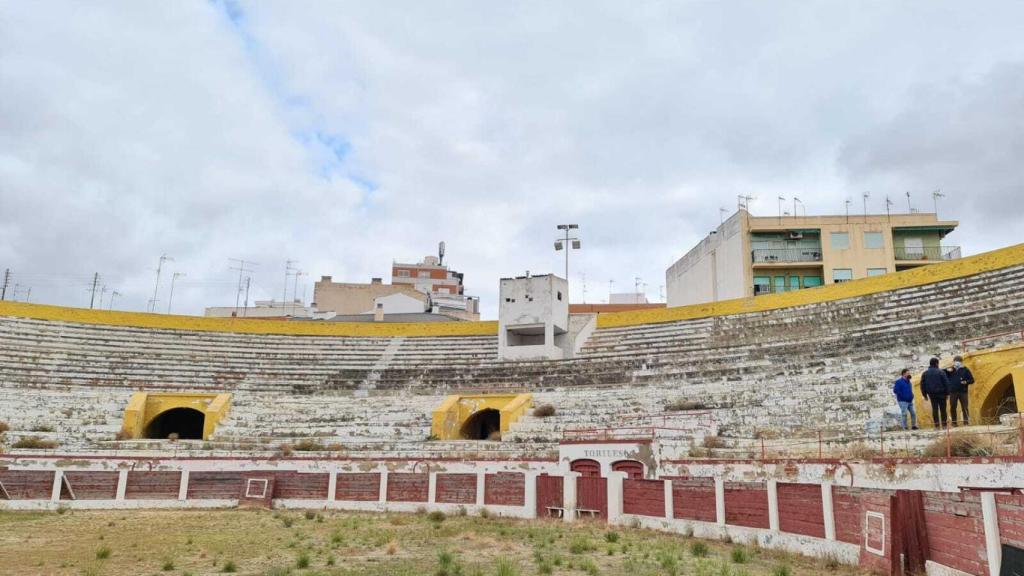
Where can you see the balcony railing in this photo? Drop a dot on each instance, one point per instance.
(928, 253)
(772, 255)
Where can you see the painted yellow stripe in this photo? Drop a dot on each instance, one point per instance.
(985, 262)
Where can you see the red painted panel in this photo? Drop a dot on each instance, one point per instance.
(505, 489)
(800, 510)
(644, 497)
(301, 485)
(592, 494)
(27, 484)
(160, 485)
(215, 485)
(1011, 519)
(358, 487)
(408, 487)
(588, 468)
(549, 494)
(633, 468)
(456, 488)
(694, 499)
(746, 504)
(92, 485)
(956, 533)
(849, 517)
(877, 502)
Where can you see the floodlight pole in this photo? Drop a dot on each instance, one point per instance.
(559, 245)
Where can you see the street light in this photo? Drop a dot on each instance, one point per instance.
(566, 243)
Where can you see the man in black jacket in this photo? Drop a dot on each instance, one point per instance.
(960, 378)
(935, 387)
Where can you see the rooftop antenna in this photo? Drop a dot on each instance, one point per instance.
(910, 208)
(637, 281)
(865, 195)
(888, 203)
(848, 202)
(440, 253)
(935, 200)
(170, 298)
(583, 282)
(781, 200)
(795, 202)
(721, 215)
(156, 287)
(289, 267)
(242, 269)
(611, 287)
(113, 295)
(661, 292)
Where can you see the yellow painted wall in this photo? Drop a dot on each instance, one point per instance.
(989, 368)
(452, 414)
(143, 407)
(985, 262)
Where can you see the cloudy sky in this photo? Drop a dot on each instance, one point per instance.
(346, 135)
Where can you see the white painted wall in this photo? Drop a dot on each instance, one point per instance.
(712, 270)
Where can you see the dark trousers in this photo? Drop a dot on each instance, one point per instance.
(939, 406)
(954, 399)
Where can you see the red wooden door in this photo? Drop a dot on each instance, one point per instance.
(592, 494)
(549, 494)
(634, 469)
(909, 536)
(586, 468)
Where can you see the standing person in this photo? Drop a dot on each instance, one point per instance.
(905, 398)
(960, 378)
(935, 388)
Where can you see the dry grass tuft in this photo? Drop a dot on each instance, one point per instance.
(683, 405)
(544, 411)
(36, 442)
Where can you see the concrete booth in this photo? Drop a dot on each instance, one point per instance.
(533, 317)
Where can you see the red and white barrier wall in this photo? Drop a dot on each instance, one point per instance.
(953, 518)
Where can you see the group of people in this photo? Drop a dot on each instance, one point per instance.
(939, 387)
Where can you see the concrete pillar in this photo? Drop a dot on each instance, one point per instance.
(569, 495)
(122, 484)
(615, 502)
(530, 493)
(183, 486)
(382, 495)
(58, 481)
(669, 501)
(773, 505)
(481, 485)
(828, 511)
(720, 501)
(332, 486)
(432, 487)
(990, 519)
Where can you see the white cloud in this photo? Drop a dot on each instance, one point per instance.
(349, 134)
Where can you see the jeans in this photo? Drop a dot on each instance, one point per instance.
(904, 408)
(939, 406)
(954, 399)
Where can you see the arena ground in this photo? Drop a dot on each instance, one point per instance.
(263, 542)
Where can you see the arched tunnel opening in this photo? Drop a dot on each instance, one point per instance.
(187, 423)
(1000, 400)
(482, 425)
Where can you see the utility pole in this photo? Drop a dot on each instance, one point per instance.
(288, 269)
(241, 267)
(95, 282)
(156, 287)
(7, 282)
(566, 243)
(170, 298)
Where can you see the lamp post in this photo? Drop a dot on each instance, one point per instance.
(567, 243)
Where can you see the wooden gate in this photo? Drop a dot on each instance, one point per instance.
(549, 495)
(909, 538)
(633, 469)
(592, 497)
(586, 467)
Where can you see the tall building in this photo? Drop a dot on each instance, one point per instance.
(753, 255)
(429, 276)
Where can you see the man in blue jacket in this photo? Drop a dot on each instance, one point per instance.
(935, 388)
(905, 398)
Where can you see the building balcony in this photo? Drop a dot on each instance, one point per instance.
(921, 253)
(785, 255)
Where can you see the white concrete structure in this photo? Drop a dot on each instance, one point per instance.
(533, 317)
(397, 303)
(713, 269)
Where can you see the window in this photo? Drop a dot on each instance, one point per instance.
(403, 273)
(873, 240)
(840, 240)
(812, 281)
(876, 271)
(423, 274)
(762, 285)
(842, 275)
(780, 284)
(794, 282)
(559, 295)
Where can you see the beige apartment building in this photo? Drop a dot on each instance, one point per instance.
(753, 255)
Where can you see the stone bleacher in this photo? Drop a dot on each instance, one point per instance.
(820, 365)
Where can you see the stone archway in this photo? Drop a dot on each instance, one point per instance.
(185, 423)
(1001, 399)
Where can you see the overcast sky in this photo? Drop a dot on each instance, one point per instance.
(346, 135)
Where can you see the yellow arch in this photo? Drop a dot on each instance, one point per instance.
(452, 414)
(991, 369)
(144, 407)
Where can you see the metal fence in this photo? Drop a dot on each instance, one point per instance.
(772, 255)
(927, 253)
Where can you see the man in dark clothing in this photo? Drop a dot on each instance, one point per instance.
(960, 378)
(935, 388)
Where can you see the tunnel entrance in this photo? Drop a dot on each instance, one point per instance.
(481, 425)
(187, 423)
(1000, 400)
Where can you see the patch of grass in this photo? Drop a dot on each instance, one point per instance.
(683, 405)
(782, 570)
(310, 514)
(103, 552)
(436, 516)
(308, 445)
(35, 442)
(739, 555)
(544, 411)
(168, 565)
(42, 428)
(229, 567)
(611, 537)
(581, 545)
(698, 549)
(302, 561)
(506, 567)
